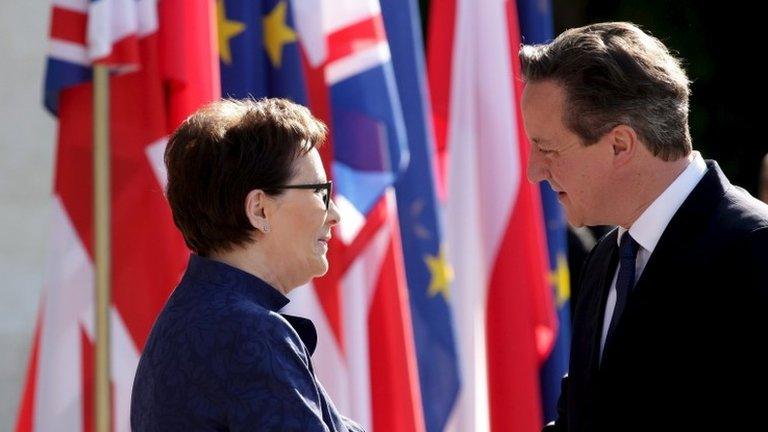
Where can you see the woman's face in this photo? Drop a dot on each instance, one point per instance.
(300, 225)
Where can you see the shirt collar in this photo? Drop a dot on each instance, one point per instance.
(649, 227)
(226, 276)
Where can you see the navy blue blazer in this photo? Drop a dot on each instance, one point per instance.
(689, 352)
(220, 358)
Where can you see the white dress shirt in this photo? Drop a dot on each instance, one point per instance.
(649, 227)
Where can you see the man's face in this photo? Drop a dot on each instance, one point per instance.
(579, 174)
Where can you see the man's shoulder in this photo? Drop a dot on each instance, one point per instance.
(726, 207)
(740, 212)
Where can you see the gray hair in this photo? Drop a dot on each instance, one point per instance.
(612, 74)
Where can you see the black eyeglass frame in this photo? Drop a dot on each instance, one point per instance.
(327, 185)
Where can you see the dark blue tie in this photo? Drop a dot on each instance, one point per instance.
(624, 282)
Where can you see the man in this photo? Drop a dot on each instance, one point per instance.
(669, 330)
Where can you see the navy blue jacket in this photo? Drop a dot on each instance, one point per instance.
(220, 358)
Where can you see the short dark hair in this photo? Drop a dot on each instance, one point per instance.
(614, 73)
(221, 153)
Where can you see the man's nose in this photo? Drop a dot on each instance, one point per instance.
(536, 169)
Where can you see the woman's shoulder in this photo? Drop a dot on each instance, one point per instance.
(264, 324)
(208, 302)
(209, 316)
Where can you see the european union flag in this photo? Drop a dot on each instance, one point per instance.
(536, 26)
(259, 50)
(427, 269)
(261, 57)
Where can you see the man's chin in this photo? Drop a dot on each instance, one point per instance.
(576, 221)
(322, 267)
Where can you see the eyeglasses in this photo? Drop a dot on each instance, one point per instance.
(327, 186)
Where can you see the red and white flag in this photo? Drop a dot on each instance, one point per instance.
(502, 302)
(163, 62)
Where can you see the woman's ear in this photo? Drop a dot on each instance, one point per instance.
(255, 203)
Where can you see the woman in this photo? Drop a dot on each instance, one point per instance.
(250, 196)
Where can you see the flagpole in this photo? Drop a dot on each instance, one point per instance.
(102, 257)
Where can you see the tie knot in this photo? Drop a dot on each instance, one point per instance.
(628, 246)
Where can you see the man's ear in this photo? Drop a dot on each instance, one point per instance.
(255, 209)
(624, 142)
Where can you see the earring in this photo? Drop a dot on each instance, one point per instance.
(265, 228)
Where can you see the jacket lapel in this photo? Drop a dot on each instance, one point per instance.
(675, 249)
(605, 288)
(606, 260)
(689, 220)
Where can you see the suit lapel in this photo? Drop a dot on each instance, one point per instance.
(675, 247)
(605, 287)
(610, 258)
(689, 220)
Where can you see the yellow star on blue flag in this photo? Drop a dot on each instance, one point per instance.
(260, 53)
(277, 33)
(226, 30)
(561, 279)
(441, 272)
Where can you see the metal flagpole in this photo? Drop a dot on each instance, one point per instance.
(102, 255)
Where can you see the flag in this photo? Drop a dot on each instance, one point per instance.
(502, 300)
(428, 272)
(162, 69)
(536, 27)
(333, 56)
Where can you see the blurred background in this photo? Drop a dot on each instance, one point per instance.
(27, 144)
(719, 43)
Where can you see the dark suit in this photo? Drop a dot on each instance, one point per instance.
(690, 350)
(221, 358)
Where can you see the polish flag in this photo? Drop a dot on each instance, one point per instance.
(502, 303)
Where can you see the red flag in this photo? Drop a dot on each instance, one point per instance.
(163, 62)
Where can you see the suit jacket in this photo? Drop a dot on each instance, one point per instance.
(690, 350)
(220, 358)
